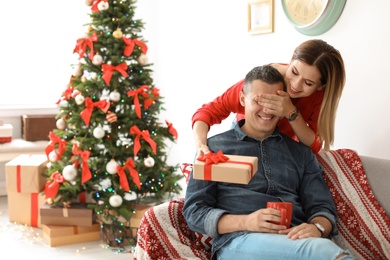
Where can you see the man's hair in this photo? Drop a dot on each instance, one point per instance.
(265, 73)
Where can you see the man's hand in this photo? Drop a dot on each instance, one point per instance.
(304, 230)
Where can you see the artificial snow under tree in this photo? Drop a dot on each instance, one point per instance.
(110, 142)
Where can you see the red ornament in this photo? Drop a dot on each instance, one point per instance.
(111, 117)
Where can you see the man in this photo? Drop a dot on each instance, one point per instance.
(235, 215)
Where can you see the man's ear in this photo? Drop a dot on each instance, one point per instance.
(242, 98)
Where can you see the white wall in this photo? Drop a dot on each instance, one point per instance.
(200, 48)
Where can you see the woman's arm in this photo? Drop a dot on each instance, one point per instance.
(214, 112)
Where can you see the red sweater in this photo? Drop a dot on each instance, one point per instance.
(221, 107)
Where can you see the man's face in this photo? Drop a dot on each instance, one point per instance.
(259, 124)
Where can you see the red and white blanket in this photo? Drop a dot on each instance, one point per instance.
(364, 228)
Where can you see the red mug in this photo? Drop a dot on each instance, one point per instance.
(286, 210)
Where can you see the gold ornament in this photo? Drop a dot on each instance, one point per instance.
(49, 201)
(117, 34)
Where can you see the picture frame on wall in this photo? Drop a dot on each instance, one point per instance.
(260, 16)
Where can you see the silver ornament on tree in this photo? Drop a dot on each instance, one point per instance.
(98, 132)
(97, 59)
(79, 99)
(111, 166)
(69, 172)
(102, 6)
(61, 124)
(53, 157)
(142, 59)
(149, 162)
(115, 96)
(115, 200)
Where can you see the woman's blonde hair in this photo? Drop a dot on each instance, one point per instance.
(330, 64)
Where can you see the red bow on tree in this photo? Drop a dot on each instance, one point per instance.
(86, 114)
(140, 91)
(85, 42)
(130, 165)
(52, 187)
(145, 134)
(108, 70)
(54, 139)
(171, 129)
(86, 174)
(130, 44)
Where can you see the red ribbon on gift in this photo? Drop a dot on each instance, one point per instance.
(86, 114)
(86, 174)
(85, 42)
(52, 187)
(135, 94)
(145, 134)
(94, 6)
(130, 165)
(171, 129)
(34, 209)
(108, 70)
(54, 139)
(130, 44)
(215, 158)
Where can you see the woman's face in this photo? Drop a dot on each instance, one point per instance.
(302, 80)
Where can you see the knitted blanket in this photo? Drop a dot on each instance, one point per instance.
(364, 228)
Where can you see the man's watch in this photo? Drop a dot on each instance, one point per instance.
(293, 115)
(320, 228)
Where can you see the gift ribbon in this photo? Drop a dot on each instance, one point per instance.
(83, 43)
(52, 187)
(65, 212)
(135, 94)
(130, 44)
(34, 209)
(86, 174)
(145, 134)
(171, 129)
(54, 139)
(108, 70)
(215, 158)
(18, 179)
(86, 114)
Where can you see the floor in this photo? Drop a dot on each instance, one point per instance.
(18, 240)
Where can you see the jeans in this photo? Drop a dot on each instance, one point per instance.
(274, 246)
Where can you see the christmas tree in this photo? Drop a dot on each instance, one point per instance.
(110, 142)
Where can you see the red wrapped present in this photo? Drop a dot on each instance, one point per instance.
(24, 173)
(225, 168)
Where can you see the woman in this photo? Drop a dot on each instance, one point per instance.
(315, 80)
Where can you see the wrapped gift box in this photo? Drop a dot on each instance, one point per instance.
(23, 208)
(5, 133)
(78, 214)
(64, 235)
(37, 127)
(24, 173)
(237, 169)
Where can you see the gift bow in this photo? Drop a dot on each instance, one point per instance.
(213, 158)
(86, 174)
(130, 165)
(145, 134)
(135, 93)
(108, 70)
(54, 139)
(130, 44)
(52, 187)
(86, 114)
(85, 42)
(171, 129)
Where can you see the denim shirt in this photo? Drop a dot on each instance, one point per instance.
(287, 171)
